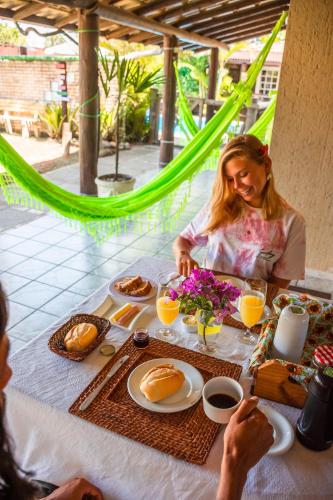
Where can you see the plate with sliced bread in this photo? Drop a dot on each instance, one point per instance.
(165, 385)
(135, 288)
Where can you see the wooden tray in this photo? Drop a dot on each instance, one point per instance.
(187, 435)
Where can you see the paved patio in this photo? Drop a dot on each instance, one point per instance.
(48, 267)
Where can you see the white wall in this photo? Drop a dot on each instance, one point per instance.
(302, 142)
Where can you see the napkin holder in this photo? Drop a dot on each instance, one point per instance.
(284, 381)
(273, 381)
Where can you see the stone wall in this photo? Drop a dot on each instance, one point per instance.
(302, 142)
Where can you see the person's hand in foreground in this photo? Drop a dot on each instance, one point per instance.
(76, 489)
(247, 438)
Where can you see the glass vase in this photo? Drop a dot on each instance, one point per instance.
(208, 334)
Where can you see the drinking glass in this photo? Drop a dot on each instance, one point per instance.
(166, 308)
(251, 306)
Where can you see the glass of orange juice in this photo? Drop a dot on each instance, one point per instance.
(251, 306)
(167, 310)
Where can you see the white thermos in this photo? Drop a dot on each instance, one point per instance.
(290, 335)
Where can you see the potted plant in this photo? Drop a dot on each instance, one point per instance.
(210, 299)
(132, 78)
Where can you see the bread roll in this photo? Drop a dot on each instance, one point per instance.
(160, 382)
(80, 337)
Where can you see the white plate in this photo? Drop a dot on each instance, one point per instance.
(187, 396)
(284, 434)
(111, 305)
(113, 290)
(234, 281)
(267, 314)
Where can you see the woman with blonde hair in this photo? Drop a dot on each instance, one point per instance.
(247, 227)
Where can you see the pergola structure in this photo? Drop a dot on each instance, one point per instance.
(186, 24)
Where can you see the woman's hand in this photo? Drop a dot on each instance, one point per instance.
(185, 263)
(182, 249)
(76, 489)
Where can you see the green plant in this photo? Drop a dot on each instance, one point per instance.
(132, 79)
(107, 124)
(53, 119)
(136, 124)
(196, 71)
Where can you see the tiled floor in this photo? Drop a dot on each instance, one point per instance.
(47, 267)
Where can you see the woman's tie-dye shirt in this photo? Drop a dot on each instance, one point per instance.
(253, 246)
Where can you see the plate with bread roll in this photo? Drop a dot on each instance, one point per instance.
(134, 288)
(165, 385)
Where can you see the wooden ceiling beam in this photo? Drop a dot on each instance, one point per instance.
(246, 34)
(156, 6)
(239, 27)
(70, 19)
(125, 18)
(198, 8)
(240, 38)
(6, 14)
(143, 37)
(247, 8)
(228, 20)
(118, 33)
(26, 11)
(74, 4)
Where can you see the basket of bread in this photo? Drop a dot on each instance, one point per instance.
(79, 336)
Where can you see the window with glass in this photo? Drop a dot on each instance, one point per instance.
(267, 81)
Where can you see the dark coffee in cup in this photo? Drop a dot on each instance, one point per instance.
(222, 400)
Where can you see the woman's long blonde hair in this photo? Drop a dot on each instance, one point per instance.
(226, 205)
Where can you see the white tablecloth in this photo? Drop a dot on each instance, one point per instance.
(56, 445)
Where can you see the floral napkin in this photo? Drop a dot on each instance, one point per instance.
(320, 332)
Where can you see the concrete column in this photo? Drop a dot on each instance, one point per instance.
(302, 141)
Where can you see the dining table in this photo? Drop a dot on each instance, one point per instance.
(55, 445)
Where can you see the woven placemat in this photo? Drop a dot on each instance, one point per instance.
(188, 434)
(272, 291)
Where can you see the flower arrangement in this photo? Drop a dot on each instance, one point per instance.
(202, 291)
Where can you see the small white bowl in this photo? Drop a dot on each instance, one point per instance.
(188, 327)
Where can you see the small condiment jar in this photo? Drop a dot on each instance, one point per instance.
(322, 356)
(141, 338)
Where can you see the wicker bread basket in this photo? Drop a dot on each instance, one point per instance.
(56, 342)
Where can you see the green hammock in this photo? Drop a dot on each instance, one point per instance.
(101, 217)
(261, 128)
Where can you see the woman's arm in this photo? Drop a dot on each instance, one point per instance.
(182, 251)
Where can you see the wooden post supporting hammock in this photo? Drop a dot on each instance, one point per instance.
(169, 100)
(89, 101)
(213, 67)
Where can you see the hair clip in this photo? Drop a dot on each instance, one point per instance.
(263, 150)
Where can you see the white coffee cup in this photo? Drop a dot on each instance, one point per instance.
(221, 385)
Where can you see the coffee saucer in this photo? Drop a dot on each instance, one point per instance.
(284, 434)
